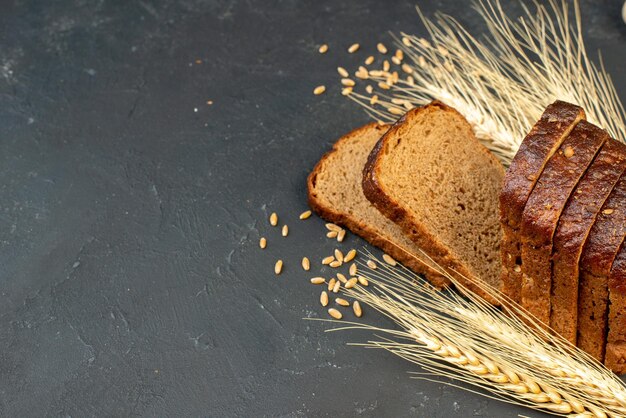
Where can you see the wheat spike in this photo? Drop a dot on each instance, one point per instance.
(502, 81)
(460, 336)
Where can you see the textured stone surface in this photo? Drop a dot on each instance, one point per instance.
(131, 283)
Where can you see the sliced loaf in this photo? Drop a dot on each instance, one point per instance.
(599, 252)
(539, 145)
(430, 175)
(335, 193)
(615, 357)
(543, 209)
(576, 221)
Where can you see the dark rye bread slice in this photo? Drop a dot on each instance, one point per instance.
(431, 176)
(540, 144)
(335, 193)
(615, 357)
(543, 209)
(574, 225)
(599, 252)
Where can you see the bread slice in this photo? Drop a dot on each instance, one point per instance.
(601, 248)
(555, 124)
(431, 176)
(335, 193)
(543, 209)
(576, 221)
(615, 357)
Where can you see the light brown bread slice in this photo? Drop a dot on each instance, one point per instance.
(335, 193)
(556, 122)
(543, 209)
(430, 175)
(599, 253)
(574, 225)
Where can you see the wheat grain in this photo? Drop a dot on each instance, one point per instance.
(332, 234)
(371, 264)
(341, 278)
(336, 287)
(335, 264)
(341, 235)
(333, 227)
(305, 215)
(389, 260)
(323, 49)
(342, 72)
(338, 255)
(381, 48)
(348, 82)
(324, 298)
(306, 264)
(318, 280)
(356, 308)
(328, 260)
(342, 302)
(331, 284)
(349, 256)
(262, 243)
(274, 219)
(363, 281)
(285, 231)
(346, 91)
(335, 313)
(353, 48)
(353, 270)
(350, 283)
(278, 267)
(369, 60)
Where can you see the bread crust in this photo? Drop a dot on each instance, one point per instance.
(615, 357)
(543, 209)
(574, 225)
(360, 228)
(556, 122)
(599, 252)
(418, 233)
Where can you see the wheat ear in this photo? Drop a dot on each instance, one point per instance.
(462, 337)
(500, 82)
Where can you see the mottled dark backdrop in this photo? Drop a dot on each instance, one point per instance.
(131, 283)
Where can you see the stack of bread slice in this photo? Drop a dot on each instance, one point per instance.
(424, 183)
(563, 214)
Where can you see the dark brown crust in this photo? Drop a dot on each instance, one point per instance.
(414, 229)
(599, 252)
(574, 225)
(361, 229)
(543, 209)
(615, 357)
(555, 124)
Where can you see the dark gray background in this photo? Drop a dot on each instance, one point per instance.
(131, 283)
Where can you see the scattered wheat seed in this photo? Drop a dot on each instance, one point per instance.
(607, 211)
(384, 85)
(406, 41)
(363, 281)
(337, 286)
(338, 255)
(377, 73)
(342, 72)
(371, 264)
(262, 243)
(285, 231)
(407, 68)
(349, 256)
(353, 48)
(410, 81)
(335, 313)
(306, 264)
(324, 298)
(323, 49)
(389, 260)
(341, 235)
(273, 219)
(381, 48)
(396, 60)
(342, 302)
(341, 278)
(335, 264)
(353, 269)
(369, 89)
(331, 284)
(319, 90)
(348, 82)
(369, 60)
(374, 100)
(333, 227)
(399, 54)
(332, 234)
(346, 91)
(318, 280)
(328, 260)
(356, 307)
(386, 65)
(305, 215)
(351, 283)
(395, 110)
(362, 74)
(278, 267)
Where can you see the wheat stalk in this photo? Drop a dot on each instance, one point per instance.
(502, 81)
(465, 338)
